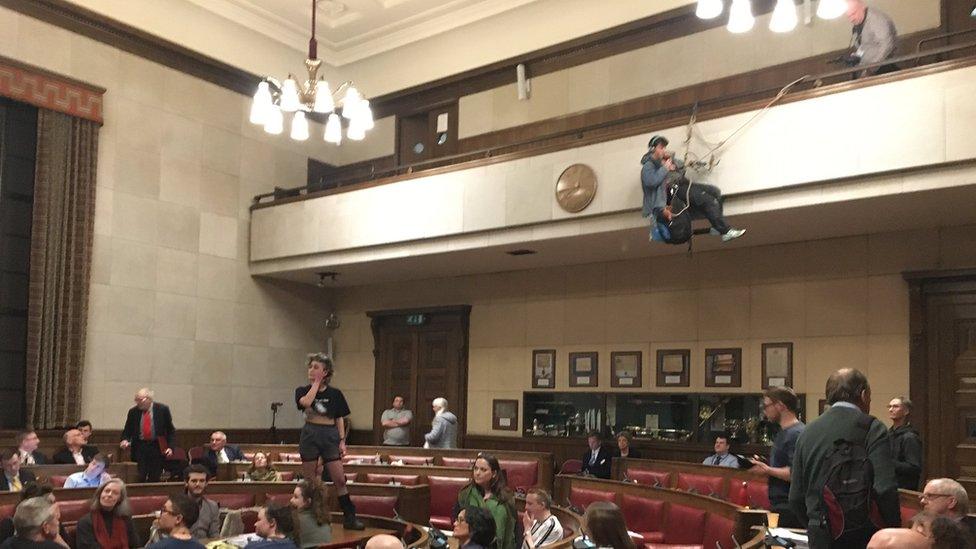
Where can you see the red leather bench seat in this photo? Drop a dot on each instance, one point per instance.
(521, 474)
(145, 505)
(581, 498)
(718, 529)
(644, 516)
(381, 506)
(684, 525)
(290, 457)
(57, 481)
(72, 510)
(359, 458)
(233, 501)
(907, 514)
(704, 485)
(648, 477)
(380, 478)
(443, 496)
(7, 510)
(458, 462)
(278, 499)
(758, 494)
(287, 476)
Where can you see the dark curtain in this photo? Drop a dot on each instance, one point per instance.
(60, 267)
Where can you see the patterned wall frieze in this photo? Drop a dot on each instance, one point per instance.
(50, 91)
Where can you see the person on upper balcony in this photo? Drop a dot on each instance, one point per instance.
(672, 201)
(874, 38)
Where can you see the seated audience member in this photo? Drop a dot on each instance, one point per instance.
(174, 521)
(220, 452)
(38, 525)
(75, 451)
(312, 506)
(596, 461)
(722, 456)
(947, 498)
(13, 478)
(899, 538)
(261, 470)
(604, 525)
(207, 524)
(474, 528)
(86, 429)
(274, 525)
(950, 534)
(906, 444)
(384, 541)
(624, 449)
(849, 396)
(31, 490)
(489, 490)
(92, 477)
(27, 443)
(109, 524)
(874, 38)
(540, 525)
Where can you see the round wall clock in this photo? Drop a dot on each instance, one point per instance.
(576, 188)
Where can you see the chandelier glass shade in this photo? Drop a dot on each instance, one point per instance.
(784, 17)
(312, 95)
(831, 9)
(709, 9)
(740, 17)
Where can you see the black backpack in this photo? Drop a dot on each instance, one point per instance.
(848, 503)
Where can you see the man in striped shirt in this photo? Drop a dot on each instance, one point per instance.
(541, 526)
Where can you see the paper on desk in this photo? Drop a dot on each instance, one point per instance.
(242, 540)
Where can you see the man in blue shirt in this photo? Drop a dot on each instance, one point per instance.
(781, 405)
(722, 457)
(92, 477)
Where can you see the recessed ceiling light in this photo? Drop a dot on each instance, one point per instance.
(521, 251)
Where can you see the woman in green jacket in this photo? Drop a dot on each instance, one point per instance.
(488, 489)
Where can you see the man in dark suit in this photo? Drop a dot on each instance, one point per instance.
(149, 432)
(849, 396)
(75, 451)
(27, 443)
(596, 462)
(220, 452)
(13, 478)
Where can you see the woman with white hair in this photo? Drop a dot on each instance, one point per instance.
(109, 524)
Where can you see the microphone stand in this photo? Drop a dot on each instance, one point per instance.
(274, 416)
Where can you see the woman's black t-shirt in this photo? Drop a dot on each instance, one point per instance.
(329, 402)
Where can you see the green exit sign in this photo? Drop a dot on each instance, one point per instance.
(416, 320)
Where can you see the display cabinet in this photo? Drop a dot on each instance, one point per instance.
(675, 417)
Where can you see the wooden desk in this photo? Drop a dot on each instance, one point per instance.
(125, 470)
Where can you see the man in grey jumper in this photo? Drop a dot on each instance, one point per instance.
(444, 426)
(874, 37)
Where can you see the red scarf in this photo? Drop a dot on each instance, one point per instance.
(118, 539)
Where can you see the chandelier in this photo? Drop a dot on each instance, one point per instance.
(313, 95)
(784, 17)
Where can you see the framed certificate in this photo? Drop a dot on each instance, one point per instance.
(504, 415)
(584, 370)
(673, 367)
(625, 368)
(777, 365)
(723, 367)
(544, 369)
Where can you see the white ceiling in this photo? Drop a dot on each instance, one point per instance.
(943, 208)
(350, 30)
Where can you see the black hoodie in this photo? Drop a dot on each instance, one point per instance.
(906, 448)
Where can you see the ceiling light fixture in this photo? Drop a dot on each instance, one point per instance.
(740, 17)
(831, 9)
(709, 9)
(273, 98)
(784, 16)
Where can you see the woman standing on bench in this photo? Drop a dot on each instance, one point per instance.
(488, 489)
(323, 435)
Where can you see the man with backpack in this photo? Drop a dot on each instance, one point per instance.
(780, 405)
(843, 478)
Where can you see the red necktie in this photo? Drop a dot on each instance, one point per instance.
(146, 426)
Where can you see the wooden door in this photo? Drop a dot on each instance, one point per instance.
(943, 374)
(420, 354)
